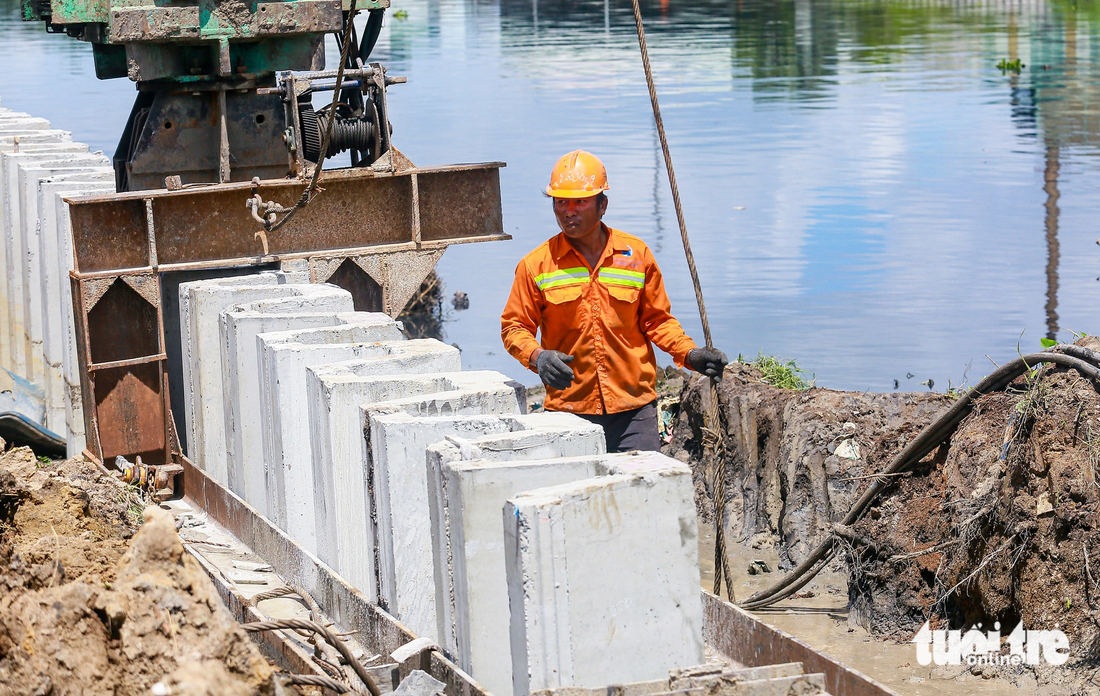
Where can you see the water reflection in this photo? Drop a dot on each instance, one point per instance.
(865, 191)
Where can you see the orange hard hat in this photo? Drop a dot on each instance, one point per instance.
(579, 174)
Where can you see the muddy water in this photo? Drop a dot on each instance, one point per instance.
(822, 622)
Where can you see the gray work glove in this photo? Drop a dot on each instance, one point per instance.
(707, 361)
(553, 368)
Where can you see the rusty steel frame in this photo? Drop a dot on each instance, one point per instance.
(123, 242)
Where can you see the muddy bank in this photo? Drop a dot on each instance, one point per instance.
(999, 524)
(94, 604)
(794, 458)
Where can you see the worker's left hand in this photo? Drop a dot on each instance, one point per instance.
(708, 361)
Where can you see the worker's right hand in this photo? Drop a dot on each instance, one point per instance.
(707, 361)
(554, 369)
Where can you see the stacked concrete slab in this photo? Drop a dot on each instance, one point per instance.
(385, 457)
(284, 412)
(338, 394)
(201, 305)
(605, 566)
(310, 306)
(39, 166)
(397, 462)
(427, 489)
(474, 499)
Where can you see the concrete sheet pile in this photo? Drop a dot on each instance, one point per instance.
(397, 469)
(338, 394)
(406, 475)
(400, 479)
(627, 561)
(39, 167)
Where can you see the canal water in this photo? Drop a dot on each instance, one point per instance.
(866, 191)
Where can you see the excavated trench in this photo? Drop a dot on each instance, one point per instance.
(998, 524)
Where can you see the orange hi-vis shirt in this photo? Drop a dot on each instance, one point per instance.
(608, 318)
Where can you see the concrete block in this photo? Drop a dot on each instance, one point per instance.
(29, 139)
(284, 408)
(603, 577)
(12, 342)
(467, 499)
(15, 123)
(398, 445)
(201, 304)
(307, 306)
(288, 442)
(337, 394)
(51, 279)
(30, 178)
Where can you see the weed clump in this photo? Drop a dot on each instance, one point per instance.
(785, 374)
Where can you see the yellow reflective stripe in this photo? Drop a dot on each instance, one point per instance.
(576, 275)
(622, 281)
(621, 276)
(563, 282)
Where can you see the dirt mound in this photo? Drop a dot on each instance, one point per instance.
(1002, 525)
(61, 521)
(795, 458)
(84, 611)
(999, 524)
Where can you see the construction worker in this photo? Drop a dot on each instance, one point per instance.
(598, 298)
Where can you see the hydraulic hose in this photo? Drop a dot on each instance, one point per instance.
(1083, 360)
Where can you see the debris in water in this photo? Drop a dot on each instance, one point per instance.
(757, 566)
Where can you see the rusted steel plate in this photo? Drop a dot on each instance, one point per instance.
(376, 629)
(110, 236)
(129, 399)
(459, 204)
(122, 325)
(744, 638)
(150, 23)
(356, 209)
(303, 16)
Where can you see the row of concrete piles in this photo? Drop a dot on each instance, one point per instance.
(514, 541)
(39, 166)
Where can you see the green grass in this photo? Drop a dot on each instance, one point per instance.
(785, 374)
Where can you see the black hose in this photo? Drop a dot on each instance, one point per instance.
(371, 32)
(1084, 360)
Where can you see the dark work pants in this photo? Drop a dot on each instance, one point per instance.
(629, 430)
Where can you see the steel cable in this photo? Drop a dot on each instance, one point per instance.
(713, 430)
(307, 195)
(317, 680)
(1083, 360)
(332, 638)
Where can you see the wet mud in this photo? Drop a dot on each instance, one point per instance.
(998, 525)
